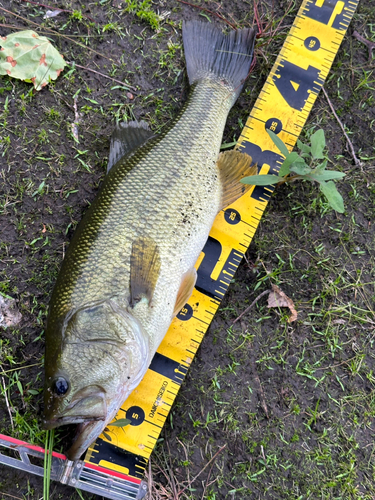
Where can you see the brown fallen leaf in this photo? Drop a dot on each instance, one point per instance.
(9, 313)
(278, 298)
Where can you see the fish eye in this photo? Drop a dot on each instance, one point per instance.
(60, 386)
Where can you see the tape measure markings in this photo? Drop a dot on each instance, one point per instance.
(283, 105)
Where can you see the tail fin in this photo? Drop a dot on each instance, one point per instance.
(210, 53)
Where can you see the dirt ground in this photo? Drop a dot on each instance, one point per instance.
(269, 409)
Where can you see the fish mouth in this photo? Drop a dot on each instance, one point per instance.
(88, 405)
(88, 409)
(86, 433)
(68, 420)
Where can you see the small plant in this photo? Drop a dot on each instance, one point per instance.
(144, 11)
(295, 167)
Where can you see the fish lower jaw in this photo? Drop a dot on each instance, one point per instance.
(52, 424)
(86, 433)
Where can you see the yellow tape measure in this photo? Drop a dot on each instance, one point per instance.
(283, 107)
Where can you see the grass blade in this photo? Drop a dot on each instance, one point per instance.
(48, 448)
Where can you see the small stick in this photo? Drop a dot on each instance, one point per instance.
(369, 45)
(251, 305)
(187, 458)
(4, 372)
(7, 403)
(75, 124)
(149, 479)
(57, 33)
(103, 75)
(260, 388)
(199, 473)
(19, 498)
(356, 161)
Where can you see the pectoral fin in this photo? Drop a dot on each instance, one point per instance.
(186, 289)
(126, 138)
(144, 269)
(234, 166)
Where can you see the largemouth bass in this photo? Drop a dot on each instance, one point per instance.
(129, 268)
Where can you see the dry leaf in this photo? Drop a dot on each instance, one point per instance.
(9, 313)
(277, 298)
(52, 13)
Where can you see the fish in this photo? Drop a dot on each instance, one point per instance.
(129, 268)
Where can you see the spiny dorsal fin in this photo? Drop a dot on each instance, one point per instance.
(126, 138)
(186, 289)
(144, 269)
(234, 166)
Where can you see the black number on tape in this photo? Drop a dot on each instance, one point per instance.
(295, 83)
(329, 12)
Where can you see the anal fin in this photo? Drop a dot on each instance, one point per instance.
(144, 269)
(185, 290)
(234, 166)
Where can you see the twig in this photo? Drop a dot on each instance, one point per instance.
(251, 305)
(77, 119)
(210, 12)
(7, 403)
(260, 388)
(11, 496)
(199, 473)
(57, 34)
(4, 372)
(187, 458)
(149, 479)
(356, 161)
(370, 45)
(103, 75)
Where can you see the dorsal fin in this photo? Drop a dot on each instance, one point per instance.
(234, 166)
(144, 269)
(126, 138)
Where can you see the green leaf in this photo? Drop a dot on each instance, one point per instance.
(285, 167)
(327, 175)
(107, 436)
(333, 196)
(278, 143)
(261, 180)
(20, 388)
(27, 56)
(304, 148)
(320, 168)
(318, 143)
(300, 167)
(284, 170)
(121, 422)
